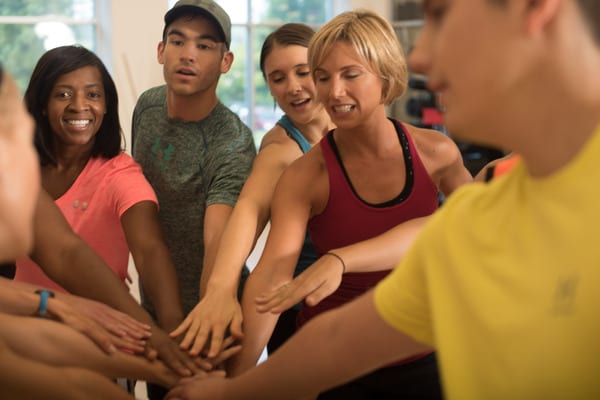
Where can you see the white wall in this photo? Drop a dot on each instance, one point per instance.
(136, 30)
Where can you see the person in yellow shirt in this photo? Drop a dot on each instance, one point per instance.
(503, 280)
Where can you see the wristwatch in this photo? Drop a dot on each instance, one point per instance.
(45, 294)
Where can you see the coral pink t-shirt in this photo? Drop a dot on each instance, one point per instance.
(93, 206)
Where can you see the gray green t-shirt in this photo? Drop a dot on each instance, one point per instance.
(190, 165)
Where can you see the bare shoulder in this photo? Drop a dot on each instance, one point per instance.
(441, 157)
(278, 148)
(310, 165)
(276, 135)
(433, 145)
(306, 180)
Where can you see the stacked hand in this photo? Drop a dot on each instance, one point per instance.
(108, 328)
(206, 325)
(314, 284)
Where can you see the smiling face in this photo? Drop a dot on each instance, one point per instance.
(76, 107)
(348, 88)
(192, 56)
(290, 82)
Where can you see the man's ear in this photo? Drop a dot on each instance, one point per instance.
(226, 62)
(160, 50)
(540, 13)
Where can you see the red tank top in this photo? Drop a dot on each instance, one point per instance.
(348, 219)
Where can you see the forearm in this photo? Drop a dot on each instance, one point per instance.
(331, 349)
(52, 383)
(92, 279)
(159, 280)
(56, 344)
(383, 251)
(16, 301)
(239, 238)
(216, 219)
(258, 328)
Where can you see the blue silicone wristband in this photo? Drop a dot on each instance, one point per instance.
(45, 294)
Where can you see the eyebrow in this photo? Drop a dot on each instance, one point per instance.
(278, 71)
(90, 85)
(344, 68)
(175, 32)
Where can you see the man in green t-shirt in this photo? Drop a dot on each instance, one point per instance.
(195, 152)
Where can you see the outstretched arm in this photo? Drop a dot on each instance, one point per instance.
(324, 276)
(331, 349)
(219, 308)
(57, 250)
(56, 344)
(290, 212)
(51, 382)
(107, 327)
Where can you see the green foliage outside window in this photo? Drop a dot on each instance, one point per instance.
(34, 26)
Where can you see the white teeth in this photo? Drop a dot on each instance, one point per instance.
(79, 122)
(344, 108)
(299, 102)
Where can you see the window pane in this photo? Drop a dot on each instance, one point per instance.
(281, 11)
(24, 44)
(81, 9)
(233, 88)
(265, 112)
(237, 10)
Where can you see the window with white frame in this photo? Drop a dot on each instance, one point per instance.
(28, 28)
(243, 88)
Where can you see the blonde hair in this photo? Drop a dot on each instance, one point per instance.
(373, 39)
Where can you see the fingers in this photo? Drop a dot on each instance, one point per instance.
(200, 338)
(177, 364)
(235, 328)
(181, 328)
(124, 329)
(216, 342)
(150, 353)
(193, 387)
(106, 339)
(203, 364)
(135, 328)
(286, 296)
(319, 294)
(102, 339)
(226, 354)
(130, 345)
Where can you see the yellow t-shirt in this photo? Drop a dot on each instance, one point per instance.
(505, 283)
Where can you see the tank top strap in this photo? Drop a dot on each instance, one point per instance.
(294, 133)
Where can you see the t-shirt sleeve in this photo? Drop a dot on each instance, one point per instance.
(402, 300)
(231, 168)
(129, 185)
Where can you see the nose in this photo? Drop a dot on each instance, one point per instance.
(294, 85)
(419, 59)
(337, 88)
(79, 102)
(188, 52)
